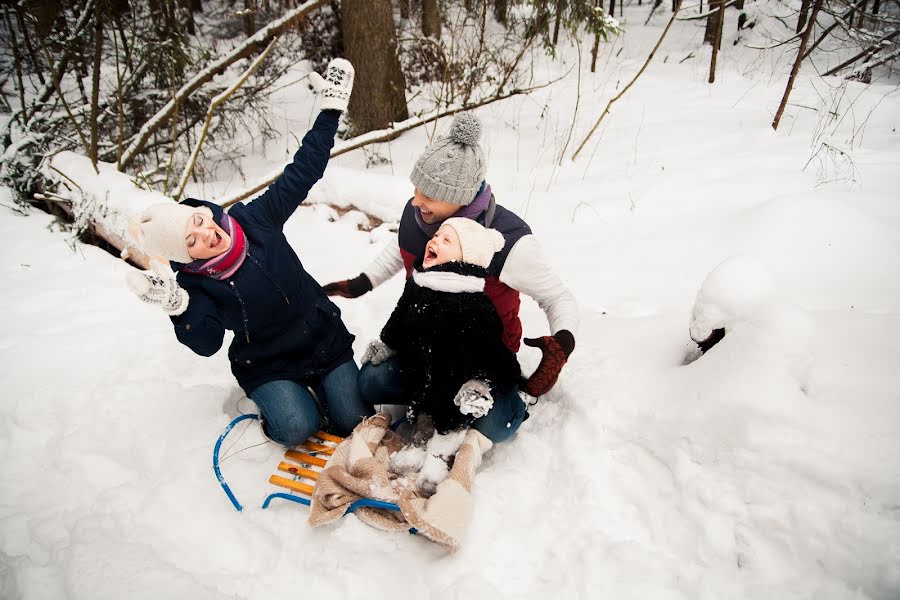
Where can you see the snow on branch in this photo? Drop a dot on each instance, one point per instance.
(213, 105)
(383, 135)
(250, 46)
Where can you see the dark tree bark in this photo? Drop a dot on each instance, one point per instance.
(26, 37)
(712, 21)
(612, 8)
(596, 47)
(804, 12)
(717, 43)
(501, 11)
(801, 52)
(249, 20)
(560, 5)
(431, 19)
(404, 8)
(95, 80)
(860, 18)
(370, 41)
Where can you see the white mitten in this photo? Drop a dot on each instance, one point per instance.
(335, 86)
(377, 352)
(159, 287)
(474, 398)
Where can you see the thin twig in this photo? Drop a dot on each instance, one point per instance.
(65, 104)
(213, 105)
(630, 83)
(390, 133)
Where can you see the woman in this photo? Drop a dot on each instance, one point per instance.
(291, 352)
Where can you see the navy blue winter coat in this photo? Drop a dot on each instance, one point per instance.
(284, 325)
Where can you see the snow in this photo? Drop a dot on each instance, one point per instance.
(636, 477)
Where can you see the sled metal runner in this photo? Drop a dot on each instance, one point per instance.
(303, 463)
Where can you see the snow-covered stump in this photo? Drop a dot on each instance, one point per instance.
(739, 305)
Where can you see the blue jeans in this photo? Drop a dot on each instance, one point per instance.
(290, 413)
(387, 384)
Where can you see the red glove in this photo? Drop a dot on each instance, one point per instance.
(556, 349)
(349, 288)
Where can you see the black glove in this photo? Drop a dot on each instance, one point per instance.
(555, 349)
(349, 288)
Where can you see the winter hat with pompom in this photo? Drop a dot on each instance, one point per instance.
(452, 168)
(159, 230)
(478, 243)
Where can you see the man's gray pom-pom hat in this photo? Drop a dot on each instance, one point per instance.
(452, 168)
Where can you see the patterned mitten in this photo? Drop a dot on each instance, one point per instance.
(474, 398)
(556, 349)
(377, 352)
(159, 287)
(336, 86)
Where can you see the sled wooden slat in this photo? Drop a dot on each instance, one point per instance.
(318, 447)
(328, 437)
(290, 484)
(300, 471)
(304, 458)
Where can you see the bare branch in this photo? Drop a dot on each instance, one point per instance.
(390, 133)
(630, 83)
(213, 105)
(796, 68)
(248, 48)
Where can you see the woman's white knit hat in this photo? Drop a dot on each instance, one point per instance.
(452, 168)
(478, 243)
(159, 230)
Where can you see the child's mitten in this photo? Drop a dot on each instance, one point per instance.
(377, 352)
(474, 398)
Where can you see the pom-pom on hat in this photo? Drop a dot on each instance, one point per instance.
(159, 230)
(452, 168)
(478, 243)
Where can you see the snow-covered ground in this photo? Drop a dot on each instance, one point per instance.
(636, 477)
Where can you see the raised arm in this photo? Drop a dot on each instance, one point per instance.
(283, 197)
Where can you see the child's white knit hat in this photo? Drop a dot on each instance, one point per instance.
(478, 242)
(159, 230)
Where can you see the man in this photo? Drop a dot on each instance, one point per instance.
(449, 182)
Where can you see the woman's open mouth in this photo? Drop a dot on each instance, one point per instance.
(217, 239)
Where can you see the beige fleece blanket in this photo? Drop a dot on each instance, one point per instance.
(359, 469)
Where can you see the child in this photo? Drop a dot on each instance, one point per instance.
(446, 332)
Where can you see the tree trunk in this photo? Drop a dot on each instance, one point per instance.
(612, 8)
(804, 12)
(404, 9)
(370, 41)
(501, 10)
(431, 19)
(559, 11)
(717, 44)
(712, 21)
(594, 50)
(862, 15)
(801, 52)
(95, 80)
(249, 20)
